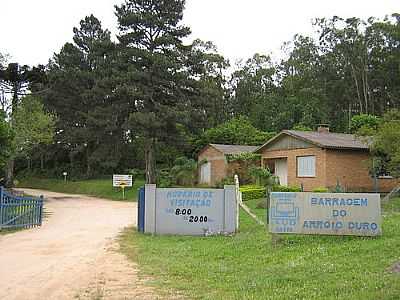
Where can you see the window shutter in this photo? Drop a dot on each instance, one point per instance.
(306, 166)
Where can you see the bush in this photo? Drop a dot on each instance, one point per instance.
(250, 192)
(286, 189)
(226, 181)
(320, 190)
(136, 173)
(164, 179)
(262, 204)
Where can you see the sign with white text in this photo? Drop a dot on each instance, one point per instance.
(122, 181)
(325, 213)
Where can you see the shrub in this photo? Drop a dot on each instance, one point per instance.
(226, 181)
(286, 189)
(320, 190)
(250, 192)
(262, 204)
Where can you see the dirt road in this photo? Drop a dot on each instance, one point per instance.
(73, 255)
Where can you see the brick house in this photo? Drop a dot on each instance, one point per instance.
(321, 159)
(217, 166)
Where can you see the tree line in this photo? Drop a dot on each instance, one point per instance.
(150, 96)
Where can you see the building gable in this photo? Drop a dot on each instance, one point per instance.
(287, 142)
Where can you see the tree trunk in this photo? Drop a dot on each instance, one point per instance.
(42, 161)
(357, 88)
(149, 149)
(10, 173)
(88, 165)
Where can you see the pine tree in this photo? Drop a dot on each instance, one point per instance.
(151, 36)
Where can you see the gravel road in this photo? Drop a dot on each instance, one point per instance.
(73, 255)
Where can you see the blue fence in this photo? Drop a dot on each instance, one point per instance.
(19, 212)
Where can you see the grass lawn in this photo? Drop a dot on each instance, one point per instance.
(249, 266)
(96, 187)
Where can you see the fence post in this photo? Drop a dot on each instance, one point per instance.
(268, 195)
(1, 206)
(41, 210)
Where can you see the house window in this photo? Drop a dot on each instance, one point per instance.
(306, 166)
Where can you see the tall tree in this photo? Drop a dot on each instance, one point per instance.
(6, 136)
(33, 127)
(82, 94)
(15, 81)
(152, 38)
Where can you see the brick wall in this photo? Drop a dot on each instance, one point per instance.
(351, 169)
(309, 183)
(217, 161)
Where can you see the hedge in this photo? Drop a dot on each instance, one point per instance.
(320, 190)
(250, 192)
(286, 189)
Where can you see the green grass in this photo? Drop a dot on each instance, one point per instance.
(250, 266)
(101, 188)
(9, 231)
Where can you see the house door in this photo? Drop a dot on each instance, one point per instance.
(205, 173)
(281, 170)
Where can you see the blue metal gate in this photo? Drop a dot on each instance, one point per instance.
(19, 212)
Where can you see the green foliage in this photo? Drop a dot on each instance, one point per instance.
(164, 178)
(320, 190)
(32, 126)
(101, 188)
(250, 192)
(301, 127)
(6, 137)
(250, 266)
(262, 176)
(237, 131)
(386, 143)
(136, 173)
(243, 157)
(364, 124)
(185, 171)
(229, 180)
(286, 189)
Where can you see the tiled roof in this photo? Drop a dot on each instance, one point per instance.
(234, 149)
(325, 139)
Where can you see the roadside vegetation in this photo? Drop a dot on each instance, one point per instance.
(8, 231)
(101, 188)
(251, 266)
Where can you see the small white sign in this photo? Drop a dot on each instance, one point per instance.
(122, 180)
(325, 213)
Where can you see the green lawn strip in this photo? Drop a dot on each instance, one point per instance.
(248, 266)
(9, 231)
(101, 188)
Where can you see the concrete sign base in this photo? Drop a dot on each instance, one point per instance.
(181, 211)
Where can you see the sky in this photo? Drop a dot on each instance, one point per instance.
(32, 31)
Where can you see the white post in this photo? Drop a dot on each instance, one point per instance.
(238, 200)
(150, 208)
(230, 209)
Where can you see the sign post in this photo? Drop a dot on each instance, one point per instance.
(122, 181)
